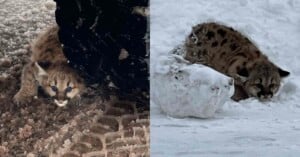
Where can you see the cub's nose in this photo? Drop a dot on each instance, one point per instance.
(60, 103)
(265, 97)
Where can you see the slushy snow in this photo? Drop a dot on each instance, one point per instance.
(249, 127)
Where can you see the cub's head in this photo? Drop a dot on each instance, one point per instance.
(263, 80)
(62, 84)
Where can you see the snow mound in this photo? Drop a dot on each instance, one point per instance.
(181, 90)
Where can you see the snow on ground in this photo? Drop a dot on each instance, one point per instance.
(20, 21)
(248, 128)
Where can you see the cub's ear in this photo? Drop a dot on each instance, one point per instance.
(243, 72)
(283, 73)
(42, 66)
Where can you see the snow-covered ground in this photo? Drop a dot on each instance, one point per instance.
(248, 128)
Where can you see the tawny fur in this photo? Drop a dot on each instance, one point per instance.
(49, 69)
(231, 53)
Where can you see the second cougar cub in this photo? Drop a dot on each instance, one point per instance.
(49, 69)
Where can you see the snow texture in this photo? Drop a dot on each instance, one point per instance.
(189, 90)
(249, 127)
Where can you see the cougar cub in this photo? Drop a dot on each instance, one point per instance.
(233, 54)
(49, 69)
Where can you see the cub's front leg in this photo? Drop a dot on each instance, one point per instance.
(29, 85)
(239, 93)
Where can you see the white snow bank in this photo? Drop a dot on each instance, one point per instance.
(189, 90)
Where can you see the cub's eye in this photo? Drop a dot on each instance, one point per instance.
(54, 88)
(68, 89)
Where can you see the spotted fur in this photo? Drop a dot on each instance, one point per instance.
(231, 53)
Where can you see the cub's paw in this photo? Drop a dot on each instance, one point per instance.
(239, 93)
(20, 99)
